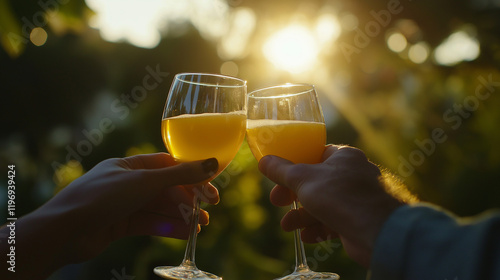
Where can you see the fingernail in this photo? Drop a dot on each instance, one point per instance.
(210, 165)
(264, 161)
(266, 158)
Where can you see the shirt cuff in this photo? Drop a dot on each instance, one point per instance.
(387, 260)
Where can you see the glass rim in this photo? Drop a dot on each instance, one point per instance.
(179, 75)
(310, 87)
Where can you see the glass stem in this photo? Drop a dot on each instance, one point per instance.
(193, 234)
(300, 255)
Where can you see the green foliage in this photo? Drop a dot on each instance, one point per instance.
(10, 30)
(385, 104)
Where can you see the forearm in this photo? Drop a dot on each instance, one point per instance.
(37, 248)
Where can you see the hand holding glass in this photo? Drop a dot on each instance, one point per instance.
(287, 121)
(204, 117)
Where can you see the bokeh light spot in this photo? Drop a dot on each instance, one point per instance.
(253, 216)
(349, 21)
(459, 46)
(229, 68)
(327, 28)
(397, 42)
(418, 53)
(234, 43)
(38, 36)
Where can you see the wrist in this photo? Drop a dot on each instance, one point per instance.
(43, 243)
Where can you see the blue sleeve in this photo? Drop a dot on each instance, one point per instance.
(423, 242)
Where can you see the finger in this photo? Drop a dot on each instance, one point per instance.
(188, 173)
(204, 218)
(150, 223)
(345, 154)
(174, 196)
(174, 202)
(350, 159)
(281, 196)
(149, 161)
(329, 150)
(317, 233)
(167, 207)
(296, 219)
(283, 172)
(207, 193)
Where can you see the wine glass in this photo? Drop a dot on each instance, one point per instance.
(204, 117)
(287, 121)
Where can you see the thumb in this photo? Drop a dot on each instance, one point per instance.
(187, 173)
(329, 150)
(283, 172)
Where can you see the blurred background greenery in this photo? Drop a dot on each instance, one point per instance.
(413, 83)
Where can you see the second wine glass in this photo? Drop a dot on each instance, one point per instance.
(204, 117)
(287, 121)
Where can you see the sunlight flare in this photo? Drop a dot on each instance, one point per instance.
(293, 49)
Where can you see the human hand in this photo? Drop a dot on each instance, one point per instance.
(343, 196)
(139, 195)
